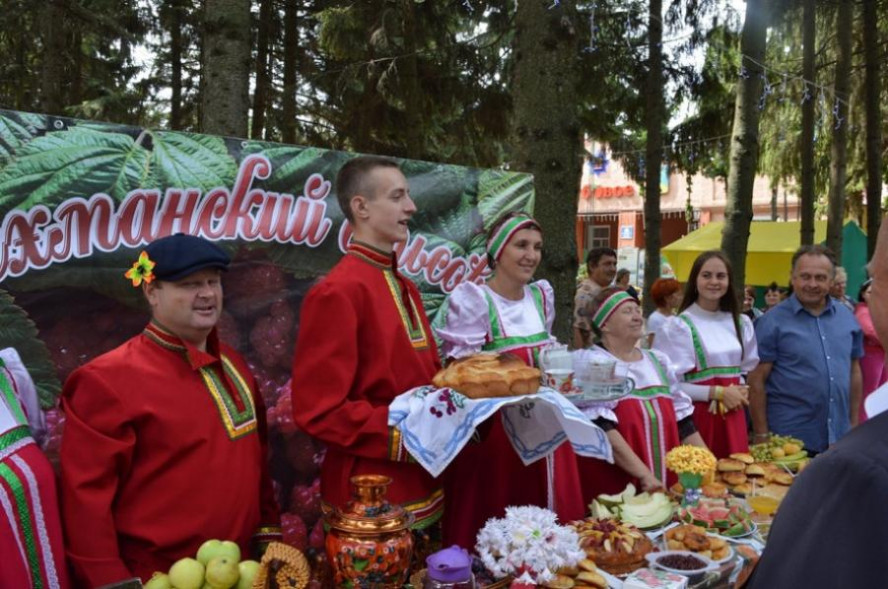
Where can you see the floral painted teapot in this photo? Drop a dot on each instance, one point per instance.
(369, 543)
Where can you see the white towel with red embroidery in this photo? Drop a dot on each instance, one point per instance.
(436, 423)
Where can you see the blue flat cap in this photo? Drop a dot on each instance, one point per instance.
(177, 256)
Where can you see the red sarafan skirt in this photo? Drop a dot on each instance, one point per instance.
(30, 531)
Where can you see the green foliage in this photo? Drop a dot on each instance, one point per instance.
(16, 130)
(190, 160)
(67, 164)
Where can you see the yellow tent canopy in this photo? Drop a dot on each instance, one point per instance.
(769, 252)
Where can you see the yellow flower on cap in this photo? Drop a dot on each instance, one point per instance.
(143, 269)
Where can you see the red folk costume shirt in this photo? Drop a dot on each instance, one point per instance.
(164, 447)
(363, 340)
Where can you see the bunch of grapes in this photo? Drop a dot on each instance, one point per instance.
(776, 448)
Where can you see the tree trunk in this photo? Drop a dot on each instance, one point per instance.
(806, 140)
(872, 85)
(226, 67)
(774, 190)
(547, 136)
(838, 164)
(291, 56)
(53, 33)
(654, 108)
(745, 141)
(263, 69)
(408, 72)
(176, 52)
(74, 75)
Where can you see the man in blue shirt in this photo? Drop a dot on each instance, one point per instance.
(832, 527)
(808, 383)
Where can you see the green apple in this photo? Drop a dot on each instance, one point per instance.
(187, 573)
(159, 581)
(215, 548)
(248, 570)
(222, 572)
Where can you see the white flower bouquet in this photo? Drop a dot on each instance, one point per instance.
(528, 543)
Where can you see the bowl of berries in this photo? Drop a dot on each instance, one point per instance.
(682, 562)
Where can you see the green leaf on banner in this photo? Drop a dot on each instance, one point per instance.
(437, 188)
(292, 165)
(459, 224)
(189, 160)
(433, 302)
(19, 332)
(16, 130)
(500, 192)
(66, 164)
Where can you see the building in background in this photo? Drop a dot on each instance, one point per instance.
(611, 211)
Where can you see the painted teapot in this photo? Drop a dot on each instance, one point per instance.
(369, 543)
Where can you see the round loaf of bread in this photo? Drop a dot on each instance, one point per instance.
(489, 375)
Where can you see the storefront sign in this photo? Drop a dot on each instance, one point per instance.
(588, 191)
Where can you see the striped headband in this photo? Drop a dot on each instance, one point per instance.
(610, 305)
(498, 240)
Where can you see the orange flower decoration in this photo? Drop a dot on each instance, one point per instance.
(143, 269)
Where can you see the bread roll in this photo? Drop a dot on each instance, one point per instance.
(489, 375)
(743, 457)
(733, 477)
(755, 470)
(730, 465)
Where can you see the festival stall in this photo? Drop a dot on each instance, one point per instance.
(769, 251)
(79, 201)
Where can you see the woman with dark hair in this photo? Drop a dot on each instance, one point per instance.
(650, 421)
(711, 346)
(509, 313)
(666, 293)
(872, 365)
(773, 296)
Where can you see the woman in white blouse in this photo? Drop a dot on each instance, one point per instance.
(509, 313)
(711, 346)
(643, 426)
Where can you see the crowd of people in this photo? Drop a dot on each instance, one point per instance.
(165, 443)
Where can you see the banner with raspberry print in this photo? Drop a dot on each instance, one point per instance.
(80, 199)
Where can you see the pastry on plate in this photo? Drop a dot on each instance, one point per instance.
(614, 546)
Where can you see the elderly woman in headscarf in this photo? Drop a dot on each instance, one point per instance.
(655, 417)
(512, 313)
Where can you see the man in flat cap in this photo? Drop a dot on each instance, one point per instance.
(164, 444)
